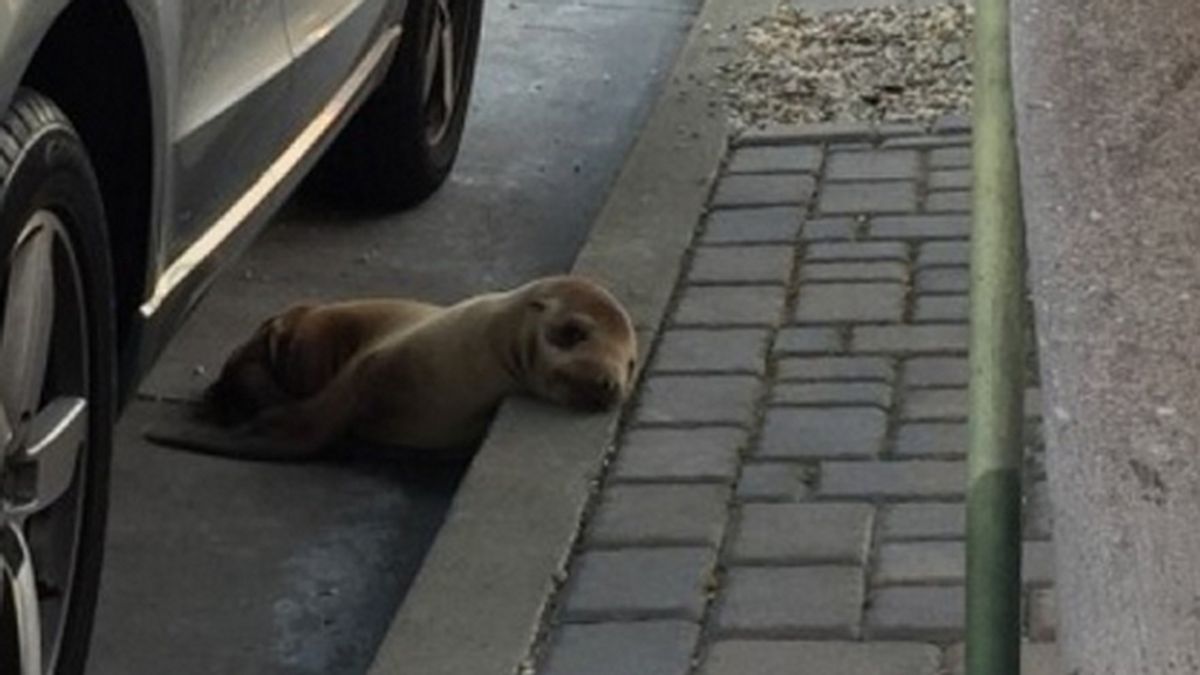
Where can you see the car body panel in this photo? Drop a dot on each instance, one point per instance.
(327, 38)
(244, 97)
(225, 79)
(23, 24)
(184, 281)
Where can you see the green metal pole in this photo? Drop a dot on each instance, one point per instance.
(997, 361)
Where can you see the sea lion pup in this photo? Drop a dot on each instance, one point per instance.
(411, 374)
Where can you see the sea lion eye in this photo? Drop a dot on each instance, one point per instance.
(630, 366)
(567, 335)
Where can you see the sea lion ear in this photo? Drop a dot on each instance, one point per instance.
(537, 305)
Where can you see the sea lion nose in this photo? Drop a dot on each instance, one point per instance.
(601, 394)
(611, 391)
(609, 386)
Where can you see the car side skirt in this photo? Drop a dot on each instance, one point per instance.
(185, 280)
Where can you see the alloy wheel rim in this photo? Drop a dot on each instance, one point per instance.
(43, 435)
(442, 61)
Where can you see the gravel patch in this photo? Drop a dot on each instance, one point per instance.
(902, 64)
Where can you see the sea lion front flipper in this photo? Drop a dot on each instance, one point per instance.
(305, 428)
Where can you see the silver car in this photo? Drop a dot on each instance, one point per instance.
(142, 144)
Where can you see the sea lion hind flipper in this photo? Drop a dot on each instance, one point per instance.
(189, 428)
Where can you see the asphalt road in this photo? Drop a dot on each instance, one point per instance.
(218, 566)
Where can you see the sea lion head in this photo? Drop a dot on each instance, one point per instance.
(579, 347)
(253, 376)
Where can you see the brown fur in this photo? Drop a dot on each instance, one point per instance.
(405, 373)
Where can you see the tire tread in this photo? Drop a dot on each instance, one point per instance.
(29, 111)
(37, 137)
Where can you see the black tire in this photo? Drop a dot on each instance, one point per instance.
(51, 212)
(390, 155)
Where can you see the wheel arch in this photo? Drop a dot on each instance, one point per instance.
(92, 64)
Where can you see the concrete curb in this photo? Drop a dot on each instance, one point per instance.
(476, 606)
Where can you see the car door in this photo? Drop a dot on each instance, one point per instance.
(225, 65)
(327, 38)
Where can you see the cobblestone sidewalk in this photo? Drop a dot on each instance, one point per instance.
(787, 494)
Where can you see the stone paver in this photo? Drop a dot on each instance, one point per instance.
(910, 339)
(1033, 403)
(954, 126)
(950, 405)
(916, 479)
(775, 481)
(830, 229)
(698, 399)
(935, 404)
(926, 562)
(873, 165)
(808, 340)
(825, 394)
(790, 134)
(941, 309)
(902, 522)
(641, 648)
(1036, 659)
(742, 264)
(776, 159)
(740, 350)
(850, 302)
(818, 601)
(684, 455)
(908, 142)
(772, 190)
(856, 251)
(889, 197)
(957, 179)
(799, 433)
(1041, 659)
(943, 253)
(1039, 518)
(836, 369)
(948, 158)
(894, 271)
(1037, 563)
(851, 146)
(782, 657)
(939, 140)
(932, 439)
(933, 371)
(1043, 615)
(665, 515)
(778, 224)
(934, 226)
(638, 584)
(943, 280)
(951, 201)
(791, 476)
(945, 562)
(916, 613)
(802, 534)
(730, 306)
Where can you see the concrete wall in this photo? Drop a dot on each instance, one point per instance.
(1108, 106)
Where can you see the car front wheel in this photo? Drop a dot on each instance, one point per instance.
(57, 392)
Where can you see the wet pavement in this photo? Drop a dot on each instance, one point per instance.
(218, 566)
